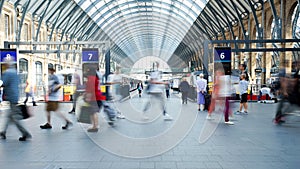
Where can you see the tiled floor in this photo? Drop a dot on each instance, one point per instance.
(189, 141)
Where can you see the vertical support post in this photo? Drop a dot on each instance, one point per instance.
(6, 45)
(205, 58)
(1, 6)
(107, 71)
(107, 63)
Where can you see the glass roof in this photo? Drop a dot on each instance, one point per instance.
(169, 29)
(144, 27)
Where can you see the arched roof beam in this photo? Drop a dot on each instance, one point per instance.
(294, 24)
(133, 19)
(134, 2)
(221, 5)
(276, 20)
(207, 27)
(240, 19)
(56, 8)
(69, 11)
(56, 20)
(215, 14)
(41, 19)
(120, 33)
(258, 29)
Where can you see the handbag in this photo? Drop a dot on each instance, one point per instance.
(25, 111)
(84, 116)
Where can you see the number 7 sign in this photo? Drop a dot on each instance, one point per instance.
(90, 55)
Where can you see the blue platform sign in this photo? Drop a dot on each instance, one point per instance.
(222, 54)
(8, 53)
(90, 55)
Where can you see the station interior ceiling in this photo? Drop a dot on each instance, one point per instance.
(173, 30)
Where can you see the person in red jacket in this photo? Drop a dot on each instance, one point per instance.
(94, 97)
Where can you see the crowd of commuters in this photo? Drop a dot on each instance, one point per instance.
(156, 87)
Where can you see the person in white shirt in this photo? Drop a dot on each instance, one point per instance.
(77, 82)
(55, 82)
(265, 91)
(201, 91)
(115, 80)
(221, 91)
(243, 86)
(155, 90)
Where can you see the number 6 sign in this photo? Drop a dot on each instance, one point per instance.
(222, 54)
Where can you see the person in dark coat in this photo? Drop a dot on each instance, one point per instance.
(184, 88)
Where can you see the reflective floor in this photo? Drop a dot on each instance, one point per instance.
(188, 141)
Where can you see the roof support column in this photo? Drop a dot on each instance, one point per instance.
(205, 57)
(1, 6)
(18, 30)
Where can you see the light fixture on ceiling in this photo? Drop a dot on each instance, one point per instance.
(49, 24)
(19, 9)
(257, 6)
(226, 29)
(234, 23)
(36, 17)
(245, 15)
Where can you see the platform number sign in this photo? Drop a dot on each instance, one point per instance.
(10, 54)
(222, 54)
(90, 55)
(222, 57)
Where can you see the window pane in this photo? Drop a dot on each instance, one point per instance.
(7, 30)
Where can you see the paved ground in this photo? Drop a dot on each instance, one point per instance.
(252, 143)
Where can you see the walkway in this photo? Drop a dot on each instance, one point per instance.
(253, 142)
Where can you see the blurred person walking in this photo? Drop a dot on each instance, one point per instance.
(54, 84)
(77, 82)
(140, 88)
(184, 88)
(168, 90)
(10, 86)
(155, 90)
(201, 91)
(289, 91)
(93, 97)
(115, 80)
(222, 91)
(29, 89)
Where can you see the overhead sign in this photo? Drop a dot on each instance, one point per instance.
(222, 57)
(90, 55)
(10, 54)
(222, 54)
